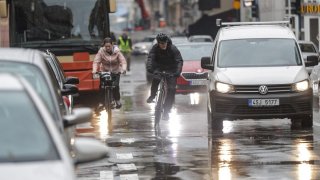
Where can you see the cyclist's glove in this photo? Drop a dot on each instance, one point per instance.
(176, 74)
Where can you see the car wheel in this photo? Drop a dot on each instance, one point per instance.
(149, 78)
(216, 122)
(307, 121)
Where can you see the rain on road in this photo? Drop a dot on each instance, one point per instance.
(183, 148)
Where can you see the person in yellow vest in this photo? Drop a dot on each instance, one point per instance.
(125, 46)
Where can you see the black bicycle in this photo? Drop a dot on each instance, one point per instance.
(161, 96)
(106, 82)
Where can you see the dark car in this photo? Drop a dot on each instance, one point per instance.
(193, 78)
(31, 64)
(67, 84)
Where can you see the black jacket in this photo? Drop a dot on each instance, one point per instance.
(165, 60)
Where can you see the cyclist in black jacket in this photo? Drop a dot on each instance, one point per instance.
(164, 56)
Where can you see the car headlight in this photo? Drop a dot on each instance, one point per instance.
(224, 88)
(301, 86)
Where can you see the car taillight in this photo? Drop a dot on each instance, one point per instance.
(182, 81)
(67, 101)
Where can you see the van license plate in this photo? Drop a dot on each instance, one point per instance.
(263, 102)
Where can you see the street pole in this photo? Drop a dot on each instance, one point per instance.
(289, 8)
(107, 21)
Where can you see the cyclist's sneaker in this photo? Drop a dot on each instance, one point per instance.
(165, 116)
(118, 104)
(100, 107)
(150, 99)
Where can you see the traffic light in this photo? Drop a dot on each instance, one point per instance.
(255, 9)
(295, 7)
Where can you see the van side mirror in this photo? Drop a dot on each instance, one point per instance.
(312, 61)
(206, 63)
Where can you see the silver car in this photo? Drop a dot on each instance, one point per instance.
(37, 71)
(256, 71)
(31, 144)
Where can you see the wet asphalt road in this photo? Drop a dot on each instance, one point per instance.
(183, 148)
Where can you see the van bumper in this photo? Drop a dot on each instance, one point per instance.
(236, 106)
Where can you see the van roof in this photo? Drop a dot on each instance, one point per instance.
(255, 31)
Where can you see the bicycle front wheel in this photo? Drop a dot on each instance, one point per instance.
(108, 101)
(159, 107)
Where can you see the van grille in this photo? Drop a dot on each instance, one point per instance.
(248, 89)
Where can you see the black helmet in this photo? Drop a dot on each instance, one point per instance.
(161, 37)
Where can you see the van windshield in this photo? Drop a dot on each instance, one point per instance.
(258, 53)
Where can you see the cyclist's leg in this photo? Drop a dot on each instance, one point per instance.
(127, 57)
(128, 61)
(171, 91)
(154, 89)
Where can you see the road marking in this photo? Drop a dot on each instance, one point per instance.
(124, 156)
(106, 175)
(127, 140)
(129, 177)
(127, 167)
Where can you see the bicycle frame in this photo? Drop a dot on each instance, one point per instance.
(160, 98)
(107, 80)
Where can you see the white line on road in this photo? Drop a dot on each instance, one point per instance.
(124, 156)
(127, 167)
(106, 175)
(129, 177)
(127, 140)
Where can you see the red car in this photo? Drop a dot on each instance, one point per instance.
(193, 78)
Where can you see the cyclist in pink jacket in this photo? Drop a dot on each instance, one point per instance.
(110, 59)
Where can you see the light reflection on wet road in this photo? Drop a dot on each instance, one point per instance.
(182, 149)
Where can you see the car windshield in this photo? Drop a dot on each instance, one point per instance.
(195, 51)
(23, 135)
(309, 48)
(35, 77)
(258, 53)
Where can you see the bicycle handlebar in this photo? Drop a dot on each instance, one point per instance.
(164, 74)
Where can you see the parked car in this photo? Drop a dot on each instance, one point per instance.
(257, 72)
(200, 38)
(308, 48)
(193, 78)
(143, 47)
(66, 83)
(31, 144)
(31, 64)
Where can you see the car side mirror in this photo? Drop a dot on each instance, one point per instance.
(78, 116)
(72, 80)
(69, 89)
(206, 63)
(312, 61)
(88, 150)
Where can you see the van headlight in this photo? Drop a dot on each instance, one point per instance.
(224, 88)
(301, 86)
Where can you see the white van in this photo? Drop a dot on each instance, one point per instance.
(257, 72)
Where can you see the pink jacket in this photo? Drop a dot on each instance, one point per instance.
(105, 62)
